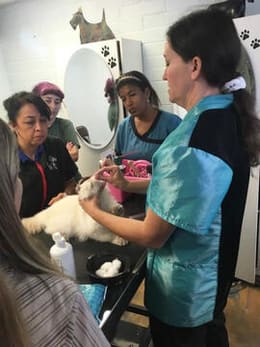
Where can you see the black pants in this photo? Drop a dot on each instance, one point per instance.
(212, 334)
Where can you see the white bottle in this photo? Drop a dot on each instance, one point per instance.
(62, 254)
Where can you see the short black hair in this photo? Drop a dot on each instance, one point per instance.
(138, 79)
(14, 103)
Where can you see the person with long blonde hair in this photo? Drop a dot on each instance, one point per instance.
(53, 309)
(12, 330)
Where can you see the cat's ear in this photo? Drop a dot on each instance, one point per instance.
(100, 184)
(77, 188)
(92, 186)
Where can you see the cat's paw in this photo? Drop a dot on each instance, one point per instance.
(119, 241)
(118, 210)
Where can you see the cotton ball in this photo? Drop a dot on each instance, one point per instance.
(111, 272)
(109, 269)
(101, 273)
(116, 264)
(106, 266)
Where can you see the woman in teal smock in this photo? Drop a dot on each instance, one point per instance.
(197, 194)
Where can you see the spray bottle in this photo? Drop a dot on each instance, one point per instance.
(62, 254)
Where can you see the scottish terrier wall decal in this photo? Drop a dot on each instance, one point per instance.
(91, 32)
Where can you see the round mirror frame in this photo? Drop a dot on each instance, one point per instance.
(91, 97)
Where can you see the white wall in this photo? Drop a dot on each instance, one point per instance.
(37, 39)
(252, 8)
(4, 85)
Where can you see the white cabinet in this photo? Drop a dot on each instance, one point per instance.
(249, 253)
(247, 257)
(118, 56)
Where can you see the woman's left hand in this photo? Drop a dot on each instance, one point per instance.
(73, 151)
(57, 198)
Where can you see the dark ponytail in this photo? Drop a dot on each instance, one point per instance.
(211, 35)
(249, 124)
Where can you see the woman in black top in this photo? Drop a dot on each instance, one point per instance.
(46, 168)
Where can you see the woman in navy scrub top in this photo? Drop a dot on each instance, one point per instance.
(142, 132)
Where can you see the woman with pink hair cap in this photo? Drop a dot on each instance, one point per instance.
(63, 128)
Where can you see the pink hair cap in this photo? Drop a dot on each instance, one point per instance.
(45, 87)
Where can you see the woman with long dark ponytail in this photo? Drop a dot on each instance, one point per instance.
(197, 194)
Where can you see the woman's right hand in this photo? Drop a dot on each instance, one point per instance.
(106, 162)
(113, 175)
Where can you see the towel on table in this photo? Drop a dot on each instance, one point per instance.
(95, 295)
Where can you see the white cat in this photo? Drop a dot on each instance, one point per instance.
(68, 217)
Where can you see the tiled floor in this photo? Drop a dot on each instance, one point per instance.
(242, 315)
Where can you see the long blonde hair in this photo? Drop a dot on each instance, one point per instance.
(16, 249)
(13, 331)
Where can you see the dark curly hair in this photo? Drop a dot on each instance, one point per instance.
(14, 103)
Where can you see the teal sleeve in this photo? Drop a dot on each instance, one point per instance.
(188, 186)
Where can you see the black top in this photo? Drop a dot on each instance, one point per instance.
(218, 133)
(46, 177)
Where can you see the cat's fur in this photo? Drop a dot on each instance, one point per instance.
(67, 216)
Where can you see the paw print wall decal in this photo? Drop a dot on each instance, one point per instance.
(255, 43)
(112, 62)
(105, 51)
(244, 34)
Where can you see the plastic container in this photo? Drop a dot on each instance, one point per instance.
(119, 194)
(95, 261)
(62, 254)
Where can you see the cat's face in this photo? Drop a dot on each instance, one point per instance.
(88, 187)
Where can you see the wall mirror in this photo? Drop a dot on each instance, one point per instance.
(91, 97)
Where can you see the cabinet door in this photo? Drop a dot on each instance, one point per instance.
(109, 50)
(248, 30)
(246, 264)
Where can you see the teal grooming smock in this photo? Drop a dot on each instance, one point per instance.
(199, 185)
